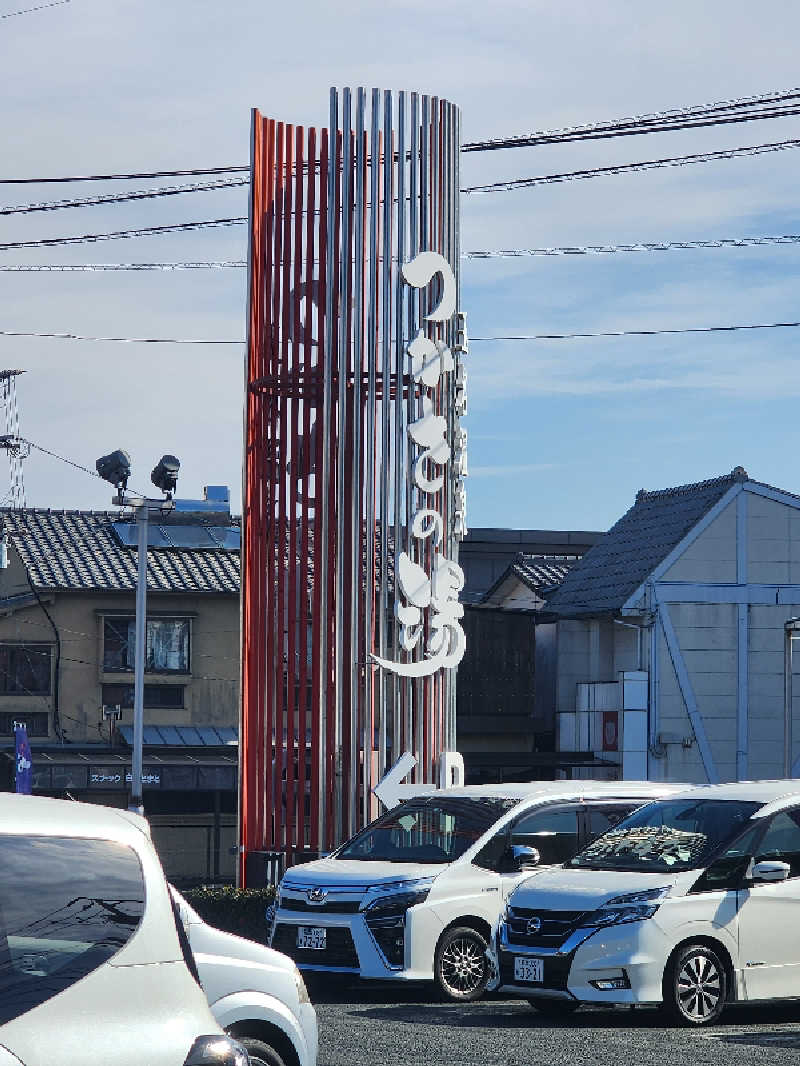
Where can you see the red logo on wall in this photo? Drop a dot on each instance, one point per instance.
(610, 730)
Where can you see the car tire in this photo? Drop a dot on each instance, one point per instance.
(695, 986)
(261, 1054)
(558, 1007)
(460, 966)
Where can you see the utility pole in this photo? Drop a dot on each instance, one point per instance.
(16, 449)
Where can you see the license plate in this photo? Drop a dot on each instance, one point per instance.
(311, 936)
(528, 969)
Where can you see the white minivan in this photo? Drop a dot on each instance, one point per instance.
(691, 902)
(256, 994)
(415, 894)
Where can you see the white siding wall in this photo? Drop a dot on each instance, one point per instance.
(712, 556)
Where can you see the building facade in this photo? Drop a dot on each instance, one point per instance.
(674, 636)
(67, 644)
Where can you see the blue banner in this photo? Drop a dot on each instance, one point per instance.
(24, 762)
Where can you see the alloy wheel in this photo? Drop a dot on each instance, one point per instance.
(461, 965)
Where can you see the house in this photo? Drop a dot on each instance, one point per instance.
(501, 731)
(67, 644)
(673, 636)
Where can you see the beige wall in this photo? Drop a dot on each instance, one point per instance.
(211, 689)
(712, 556)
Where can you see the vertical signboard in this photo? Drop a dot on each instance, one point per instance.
(354, 499)
(23, 775)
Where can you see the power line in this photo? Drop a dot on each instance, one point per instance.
(30, 10)
(631, 168)
(134, 176)
(495, 253)
(67, 268)
(500, 186)
(637, 246)
(776, 104)
(146, 231)
(637, 332)
(500, 337)
(120, 197)
(116, 340)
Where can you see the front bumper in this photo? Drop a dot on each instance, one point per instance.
(353, 948)
(634, 953)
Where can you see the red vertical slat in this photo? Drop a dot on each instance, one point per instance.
(248, 768)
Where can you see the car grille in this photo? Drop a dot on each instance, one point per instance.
(341, 906)
(555, 927)
(556, 972)
(339, 948)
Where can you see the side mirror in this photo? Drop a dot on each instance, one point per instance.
(771, 870)
(523, 857)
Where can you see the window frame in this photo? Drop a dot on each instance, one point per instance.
(126, 616)
(24, 692)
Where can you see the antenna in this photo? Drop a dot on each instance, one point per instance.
(10, 441)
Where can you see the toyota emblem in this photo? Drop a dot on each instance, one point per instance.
(316, 895)
(534, 924)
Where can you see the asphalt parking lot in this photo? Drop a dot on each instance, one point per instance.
(372, 1025)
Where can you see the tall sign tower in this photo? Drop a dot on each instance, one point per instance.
(354, 499)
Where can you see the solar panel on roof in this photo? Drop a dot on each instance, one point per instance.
(189, 735)
(186, 537)
(151, 735)
(170, 734)
(228, 734)
(208, 735)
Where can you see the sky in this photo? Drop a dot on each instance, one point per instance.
(561, 433)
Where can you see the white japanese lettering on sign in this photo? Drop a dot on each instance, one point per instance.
(417, 591)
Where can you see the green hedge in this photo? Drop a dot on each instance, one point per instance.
(236, 910)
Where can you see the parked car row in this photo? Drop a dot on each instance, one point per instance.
(565, 893)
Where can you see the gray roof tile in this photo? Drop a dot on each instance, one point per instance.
(79, 550)
(613, 568)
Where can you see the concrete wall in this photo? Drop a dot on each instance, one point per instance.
(211, 688)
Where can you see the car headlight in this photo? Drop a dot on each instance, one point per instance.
(302, 991)
(396, 895)
(633, 907)
(216, 1051)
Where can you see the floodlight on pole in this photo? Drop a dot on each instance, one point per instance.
(116, 468)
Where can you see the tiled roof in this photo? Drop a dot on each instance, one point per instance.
(79, 550)
(614, 567)
(541, 572)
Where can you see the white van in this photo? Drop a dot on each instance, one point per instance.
(256, 994)
(692, 902)
(415, 894)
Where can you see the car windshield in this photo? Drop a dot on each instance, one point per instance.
(667, 835)
(426, 829)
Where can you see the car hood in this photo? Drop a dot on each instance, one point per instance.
(207, 942)
(353, 872)
(586, 890)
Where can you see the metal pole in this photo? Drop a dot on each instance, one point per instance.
(138, 675)
(787, 702)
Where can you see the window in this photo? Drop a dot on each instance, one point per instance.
(167, 645)
(424, 830)
(36, 724)
(155, 696)
(782, 841)
(552, 831)
(25, 669)
(668, 835)
(601, 819)
(66, 906)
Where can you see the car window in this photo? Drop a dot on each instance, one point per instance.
(601, 819)
(728, 870)
(426, 829)
(782, 840)
(67, 905)
(553, 832)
